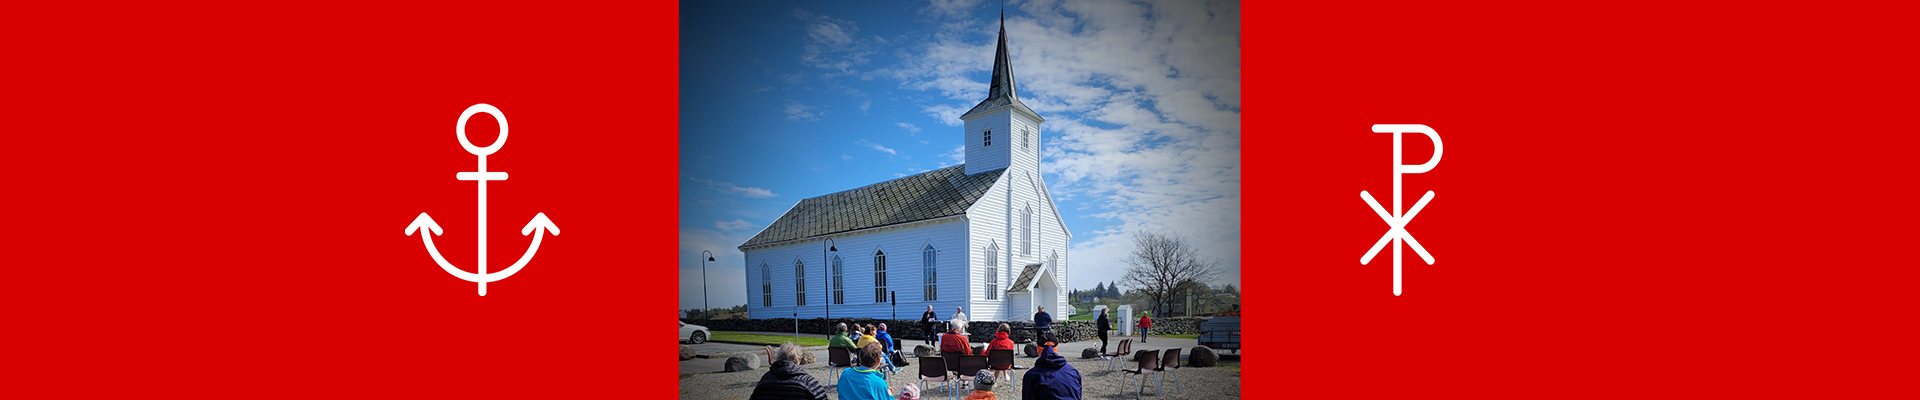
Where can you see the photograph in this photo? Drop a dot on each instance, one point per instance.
(964, 199)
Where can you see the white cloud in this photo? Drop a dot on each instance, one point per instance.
(876, 147)
(729, 188)
(832, 43)
(846, 157)
(958, 155)
(908, 126)
(866, 105)
(797, 111)
(950, 8)
(734, 225)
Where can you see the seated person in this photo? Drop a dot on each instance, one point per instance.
(982, 389)
(1001, 340)
(785, 380)
(1051, 378)
(954, 341)
(840, 339)
(864, 381)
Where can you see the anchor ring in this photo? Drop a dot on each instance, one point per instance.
(461, 129)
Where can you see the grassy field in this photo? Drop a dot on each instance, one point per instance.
(767, 339)
(1084, 317)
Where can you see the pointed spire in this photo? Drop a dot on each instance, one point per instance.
(1001, 85)
(1000, 91)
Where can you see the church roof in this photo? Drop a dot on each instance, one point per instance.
(933, 194)
(1026, 278)
(1001, 93)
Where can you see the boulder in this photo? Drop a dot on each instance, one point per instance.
(1202, 357)
(807, 357)
(1033, 350)
(686, 353)
(1089, 353)
(923, 351)
(744, 362)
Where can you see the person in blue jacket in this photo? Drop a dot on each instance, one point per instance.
(1051, 378)
(864, 382)
(886, 344)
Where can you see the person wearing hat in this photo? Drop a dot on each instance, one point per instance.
(910, 392)
(982, 388)
(1051, 378)
(864, 381)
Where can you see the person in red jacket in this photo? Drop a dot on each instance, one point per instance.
(1146, 321)
(954, 341)
(1001, 340)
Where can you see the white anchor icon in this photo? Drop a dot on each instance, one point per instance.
(540, 221)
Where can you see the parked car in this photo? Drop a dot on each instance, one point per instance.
(695, 334)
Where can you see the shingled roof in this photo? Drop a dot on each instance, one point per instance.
(1026, 278)
(933, 194)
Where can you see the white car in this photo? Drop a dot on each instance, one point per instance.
(694, 333)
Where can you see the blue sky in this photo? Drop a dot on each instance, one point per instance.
(782, 101)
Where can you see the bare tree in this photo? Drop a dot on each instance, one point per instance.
(1163, 265)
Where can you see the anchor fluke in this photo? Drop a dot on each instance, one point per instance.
(539, 221)
(425, 221)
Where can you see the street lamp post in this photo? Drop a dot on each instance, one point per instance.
(829, 264)
(703, 279)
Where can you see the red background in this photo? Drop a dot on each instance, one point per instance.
(1636, 199)
(211, 200)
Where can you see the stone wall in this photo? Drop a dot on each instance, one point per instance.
(979, 331)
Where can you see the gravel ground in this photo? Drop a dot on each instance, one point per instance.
(1098, 383)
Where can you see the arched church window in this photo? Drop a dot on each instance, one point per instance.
(929, 274)
(993, 271)
(799, 283)
(839, 287)
(766, 285)
(1026, 231)
(879, 277)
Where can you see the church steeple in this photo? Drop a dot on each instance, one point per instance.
(1002, 82)
(1001, 91)
(1002, 133)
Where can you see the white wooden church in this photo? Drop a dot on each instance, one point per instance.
(984, 235)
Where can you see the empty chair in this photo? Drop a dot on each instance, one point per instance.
(1147, 363)
(837, 358)
(1001, 362)
(1168, 362)
(953, 360)
(934, 369)
(970, 366)
(1120, 353)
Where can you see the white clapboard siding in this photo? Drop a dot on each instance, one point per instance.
(902, 246)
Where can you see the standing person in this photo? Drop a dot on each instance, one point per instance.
(1051, 378)
(1102, 325)
(785, 380)
(1146, 321)
(960, 320)
(927, 321)
(864, 381)
(1043, 325)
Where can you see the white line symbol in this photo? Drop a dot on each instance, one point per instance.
(539, 223)
(1397, 225)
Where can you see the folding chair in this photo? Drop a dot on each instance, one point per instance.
(1169, 362)
(934, 369)
(970, 367)
(952, 359)
(1001, 361)
(1148, 362)
(1120, 353)
(837, 358)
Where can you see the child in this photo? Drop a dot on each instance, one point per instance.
(982, 388)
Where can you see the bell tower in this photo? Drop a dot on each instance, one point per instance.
(1001, 132)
